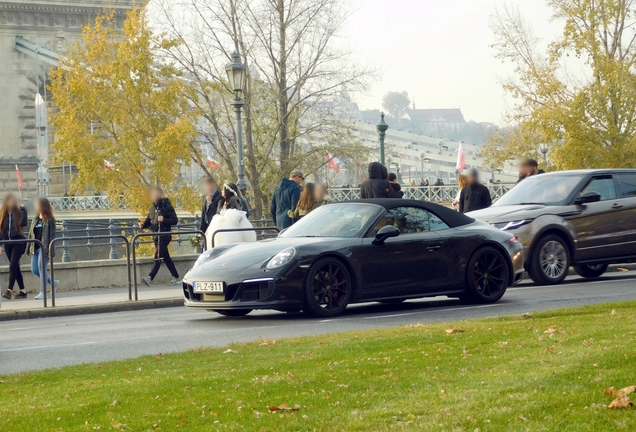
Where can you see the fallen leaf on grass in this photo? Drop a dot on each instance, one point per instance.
(551, 330)
(613, 312)
(1, 381)
(621, 396)
(268, 342)
(622, 269)
(452, 331)
(229, 351)
(283, 407)
(526, 315)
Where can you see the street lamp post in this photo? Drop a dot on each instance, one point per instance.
(544, 150)
(236, 77)
(382, 127)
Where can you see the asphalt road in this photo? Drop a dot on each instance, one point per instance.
(53, 342)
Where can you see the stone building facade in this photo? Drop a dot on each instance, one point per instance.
(50, 26)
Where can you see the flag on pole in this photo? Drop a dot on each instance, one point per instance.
(461, 159)
(19, 176)
(212, 163)
(332, 163)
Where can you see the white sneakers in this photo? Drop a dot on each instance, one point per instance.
(56, 283)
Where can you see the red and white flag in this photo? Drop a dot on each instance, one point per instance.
(212, 163)
(108, 165)
(19, 176)
(461, 159)
(332, 163)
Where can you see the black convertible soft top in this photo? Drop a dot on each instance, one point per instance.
(451, 217)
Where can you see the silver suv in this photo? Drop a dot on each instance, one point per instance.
(584, 218)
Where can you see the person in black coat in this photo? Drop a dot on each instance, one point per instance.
(161, 217)
(210, 203)
(286, 196)
(377, 186)
(13, 219)
(475, 196)
(397, 187)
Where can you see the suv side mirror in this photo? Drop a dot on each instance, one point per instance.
(385, 233)
(588, 197)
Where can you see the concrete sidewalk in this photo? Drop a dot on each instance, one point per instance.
(98, 300)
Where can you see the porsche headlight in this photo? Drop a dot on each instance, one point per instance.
(504, 226)
(203, 258)
(281, 258)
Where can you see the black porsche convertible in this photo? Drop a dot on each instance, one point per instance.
(384, 250)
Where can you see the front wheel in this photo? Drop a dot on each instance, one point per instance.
(232, 312)
(550, 261)
(487, 277)
(328, 288)
(590, 270)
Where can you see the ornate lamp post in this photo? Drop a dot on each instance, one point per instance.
(544, 149)
(382, 127)
(236, 78)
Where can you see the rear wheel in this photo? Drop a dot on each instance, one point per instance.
(232, 312)
(486, 277)
(550, 261)
(590, 270)
(328, 288)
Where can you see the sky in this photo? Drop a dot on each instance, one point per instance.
(439, 51)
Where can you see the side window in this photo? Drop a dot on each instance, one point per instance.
(604, 186)
(627, 185)
(411, 220)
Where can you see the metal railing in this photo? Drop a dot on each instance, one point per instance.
(446, 193)
(256, 229)
(156, 234)
(41, 263)
(88, 238)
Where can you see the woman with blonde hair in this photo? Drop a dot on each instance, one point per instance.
(306, 203)
(462, 182)
(13, 219)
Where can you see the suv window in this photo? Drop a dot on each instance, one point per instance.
(411, 220)
(627, 185)
(604, 186)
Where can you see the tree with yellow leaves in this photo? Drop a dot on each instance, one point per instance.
(123, 117)
(579, 96)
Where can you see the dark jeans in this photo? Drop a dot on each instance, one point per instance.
(162, 254)
(14, 253)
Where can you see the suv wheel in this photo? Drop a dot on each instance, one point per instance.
(550, 261)
(590, 270)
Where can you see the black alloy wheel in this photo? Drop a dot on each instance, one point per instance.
(590, 270)
(328, 288)
(487, 276)
(550, 260)
(232, 312)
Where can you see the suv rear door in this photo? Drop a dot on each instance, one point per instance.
(598, 227)
(627, 191)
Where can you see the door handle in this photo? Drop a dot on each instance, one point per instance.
(617, 206)
(433, 248)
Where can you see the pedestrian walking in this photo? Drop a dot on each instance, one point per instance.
(42, 229)
(161, 217)
(462, 181)
(286, 196)
(475, 196)
(210, 203)
(306, 203)
(528, 168)
(13, 219)
(377, 185)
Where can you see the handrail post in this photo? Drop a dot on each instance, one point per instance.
(66, 256)
(114, 254)
(89, 243)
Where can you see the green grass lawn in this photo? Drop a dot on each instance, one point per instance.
(540, 372)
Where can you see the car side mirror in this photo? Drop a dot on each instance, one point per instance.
(385, 233)
(588, 197)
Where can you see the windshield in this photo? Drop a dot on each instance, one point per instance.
(540, 189)
(334, 220)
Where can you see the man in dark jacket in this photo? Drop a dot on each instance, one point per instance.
(161, 217)
(397, 187)
(475, 196)
(529, 168)
(377, 186)
(210, 203)
(286, 196)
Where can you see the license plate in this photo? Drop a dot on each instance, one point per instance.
(208, 286)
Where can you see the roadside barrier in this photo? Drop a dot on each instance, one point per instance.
(41, 264)
(257, 229)
(156, 234)
(88, 238)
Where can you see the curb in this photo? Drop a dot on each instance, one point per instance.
(90, 309)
